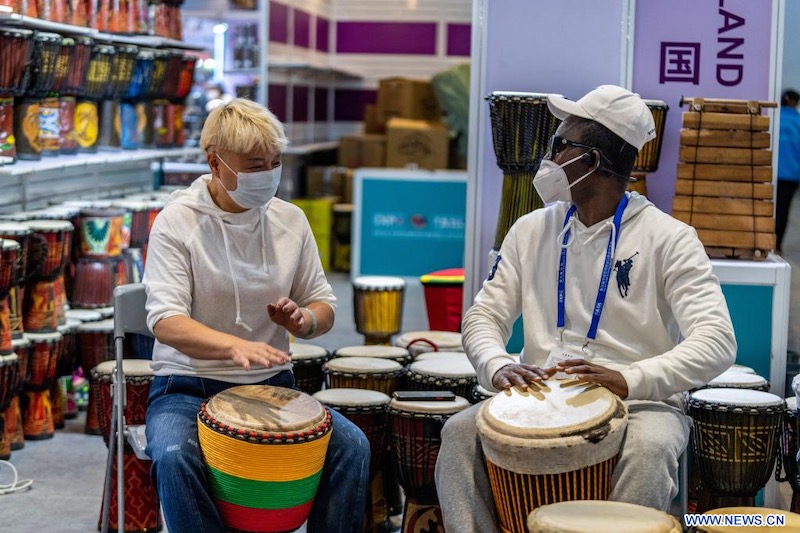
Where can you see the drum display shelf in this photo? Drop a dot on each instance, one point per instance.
(13, 19)
(29, 185)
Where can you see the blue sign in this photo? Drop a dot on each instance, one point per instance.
(408, 223)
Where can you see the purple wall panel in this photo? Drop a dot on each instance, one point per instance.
(320, 104)
(416, 38)
(277, 101)
(300, 104)
(302, 28)
(349, 103)
(323, 34)
(459, 39)
(278, 22)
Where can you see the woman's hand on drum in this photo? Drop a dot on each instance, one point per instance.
(247, 353)
(592, 373)
(518, 375)
(288, 314)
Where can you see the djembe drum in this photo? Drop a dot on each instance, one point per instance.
(522, 126)
(130, 108)
(161, 62)
(378, 307)
(95, 345)
(307, 361)
(22, 235)
(37, 419)
(9, 376)
(370, 373)
(367, 410)
(393, 353)
(9, 254)
(101, 232)
(732, 379)
(770, 520)
(417, 342)
(45, 295)
(95, 281)
(415, 436)
(13, 414)
(122, 68)
(185, 82)
(266, 482)
(141, 500)
(789, 452)
(555, 442)
(69, 87)
(163, 109)
(600, 516)
(17, 48)
(98, 78)
(454, 373)
(649, 155)
(735, 440)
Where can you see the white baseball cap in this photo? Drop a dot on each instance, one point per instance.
(618, 109)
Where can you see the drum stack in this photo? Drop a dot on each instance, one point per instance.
(164, 120)
(36, 115)
(649, 155)
(724, 186)
(122, 69)
(161, 63)
(17, 46)
(9, 257)
(69, 87)
(130, 108)
(522, 126)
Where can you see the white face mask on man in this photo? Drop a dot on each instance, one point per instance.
(253, 189)
(551, 181)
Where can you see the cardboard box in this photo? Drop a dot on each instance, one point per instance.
(330, 181)
(416, 142)
(373, 120)
(362, 151)
(407, 98)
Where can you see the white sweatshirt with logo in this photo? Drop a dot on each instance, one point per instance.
(665, 325)
(222, 269)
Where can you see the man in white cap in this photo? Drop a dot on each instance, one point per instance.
(657, 326)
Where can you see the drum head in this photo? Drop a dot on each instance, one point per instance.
(378, 283)
(302, 351)
(444, 340)
(12, 228)
(447, 366)
(597, 516)
(741, 368)
(8, 244)
(792, 520)
(791, 403)
(352, 397)
(49, 226)
(737, 397)
(84, 315)
(266, 408)
(70, 327)
(440, 355)
(362, 365)
(130, 367)
(44, 337)
(101, 326)
(106, 312)
(558, 409)
(374, 350)
(738, 380)
(18, 344)
(432, 408)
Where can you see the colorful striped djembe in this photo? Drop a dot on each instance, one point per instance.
(264, 448)
(536, 449)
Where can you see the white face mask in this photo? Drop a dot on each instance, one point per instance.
(551, 181)
(254, 189)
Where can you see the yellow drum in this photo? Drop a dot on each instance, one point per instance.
(264, 448)
(378, 307)
(557, 442)
(598, 516)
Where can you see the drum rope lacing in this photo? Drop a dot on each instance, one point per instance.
(16, 485)
(260, 437)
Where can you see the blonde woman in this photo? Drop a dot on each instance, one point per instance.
(231, 270)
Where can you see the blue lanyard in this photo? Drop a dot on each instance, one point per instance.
(603, 289)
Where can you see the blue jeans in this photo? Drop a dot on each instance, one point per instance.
(180, 477)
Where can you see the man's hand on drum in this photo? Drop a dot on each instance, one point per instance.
(247, 353)
(592, 373)
(288, 314)
(519, 375)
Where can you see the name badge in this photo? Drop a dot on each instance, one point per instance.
(561, 353)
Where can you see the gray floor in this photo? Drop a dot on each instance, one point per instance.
(67, 470)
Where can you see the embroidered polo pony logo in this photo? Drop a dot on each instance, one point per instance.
(623, 269)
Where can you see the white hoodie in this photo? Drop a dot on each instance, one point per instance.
(222, 269)
(669, 332)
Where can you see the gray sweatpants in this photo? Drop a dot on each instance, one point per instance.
(646, 473)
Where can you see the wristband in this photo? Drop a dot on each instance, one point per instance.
(313, 327)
